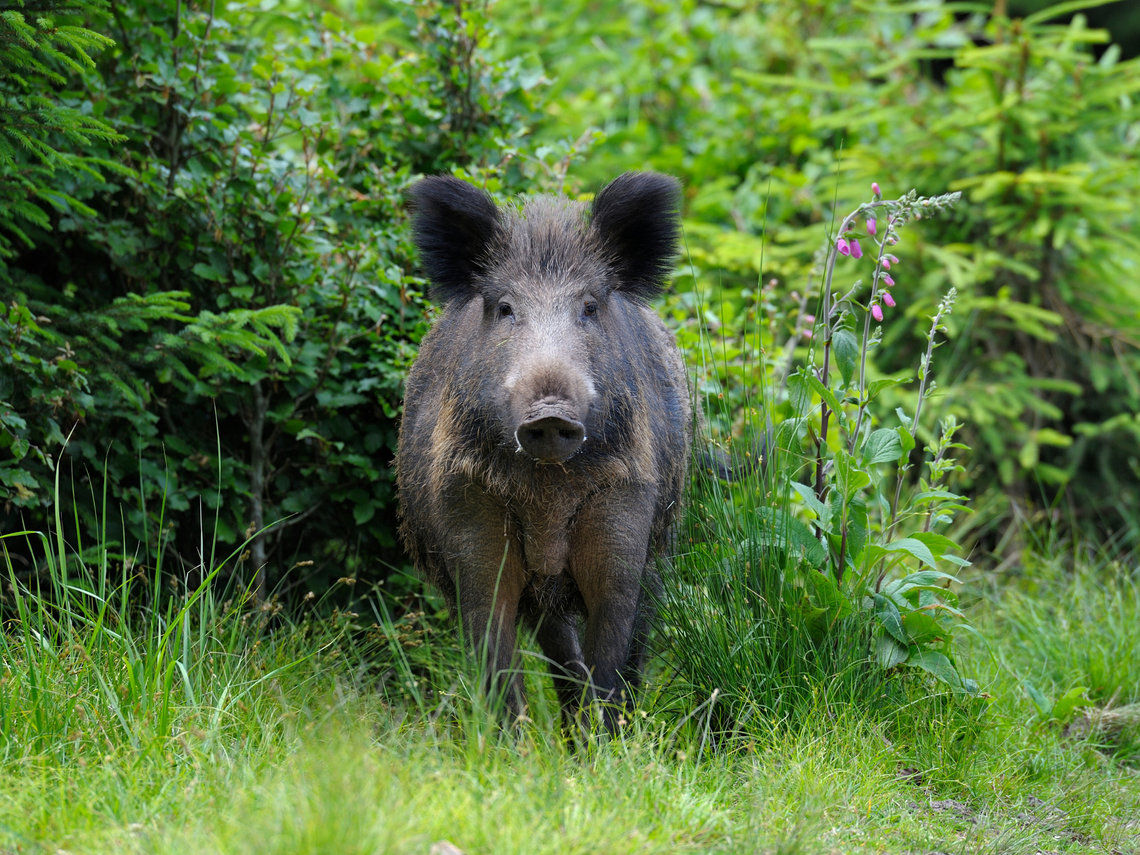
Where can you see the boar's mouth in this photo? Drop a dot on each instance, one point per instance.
(550, 434)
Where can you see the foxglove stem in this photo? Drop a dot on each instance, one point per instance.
(944, 308)
(854, 438)
(829, 273)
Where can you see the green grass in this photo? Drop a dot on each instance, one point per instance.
(196, 728)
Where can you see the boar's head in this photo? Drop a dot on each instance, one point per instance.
(551, 299)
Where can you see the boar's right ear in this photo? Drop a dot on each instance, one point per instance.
(637, 218)
(455, 226)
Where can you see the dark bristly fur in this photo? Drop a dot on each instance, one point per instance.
(639, 214)
(455, 226)
(546, 428)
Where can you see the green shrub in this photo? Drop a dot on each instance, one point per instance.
(760, 106)
(817, 578)
(237, 300)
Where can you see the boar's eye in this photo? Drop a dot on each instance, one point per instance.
(590, 309)
(505, 310)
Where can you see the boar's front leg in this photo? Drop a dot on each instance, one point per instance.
(608, 554)
(486, 563)
(557, 634)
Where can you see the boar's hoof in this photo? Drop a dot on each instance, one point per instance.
(552, 439)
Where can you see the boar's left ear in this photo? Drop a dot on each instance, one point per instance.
(637, 219)
(455, 227)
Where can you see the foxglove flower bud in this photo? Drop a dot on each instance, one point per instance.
(877, 313)
(887, 280)
(888, 299)
(870, 225)
(856, 251)
(875, 189)
(886, 263)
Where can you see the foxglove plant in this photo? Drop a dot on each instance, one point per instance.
(859, 530)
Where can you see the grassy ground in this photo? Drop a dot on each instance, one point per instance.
(202, 730)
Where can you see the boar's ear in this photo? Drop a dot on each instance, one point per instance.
(455, 226)
(637, 218)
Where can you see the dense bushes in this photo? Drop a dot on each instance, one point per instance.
(779, 116)
(207, 283)
(221, 308)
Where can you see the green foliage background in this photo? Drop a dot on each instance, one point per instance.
(208, 282)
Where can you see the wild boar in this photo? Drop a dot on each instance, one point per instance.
(546, 433)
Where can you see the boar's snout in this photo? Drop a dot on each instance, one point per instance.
(550, 436)
(550, 404)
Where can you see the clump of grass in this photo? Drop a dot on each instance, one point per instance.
(92, 667)
(1069, 624)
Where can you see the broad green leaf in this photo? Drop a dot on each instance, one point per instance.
(922, 628)
(926, 577)
(906, 441)
(848, 476)
(822, 511)
(207, 271)
(827, 596)
(882, 446)
(888, 614)
(933, 495)
(872, 554)
(889, 652)
(799, 394)
(846, 349)
(912, 547)
(937, 543)
(937, 665)
(877, 386)
(826, 394)
(1069, 702)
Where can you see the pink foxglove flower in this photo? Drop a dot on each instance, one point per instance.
(875, 189)
(888, 299)
(892, 259)
(887, 280)
(809, 319)
(877, 313)
(870, 225)
(886, 264)
(805, 333)
(856, 250)
(843, 246)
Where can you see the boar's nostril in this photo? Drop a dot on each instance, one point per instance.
(551, 439)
